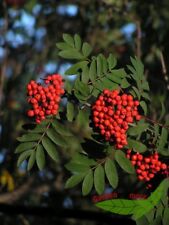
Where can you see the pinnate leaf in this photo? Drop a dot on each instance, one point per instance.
(123, 162)
(40, 157)
(25, 146)
(137, 146)
(74, 180)
(111, 172)
(111, 62)
(50, 148)
(70, 111)
(23, 156)
(87, 183)
(99, 179)
(86, 49)
(78, 41)
(68, 39)
(31, 160)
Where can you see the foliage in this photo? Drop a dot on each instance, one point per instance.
(139, 209)
(93, 75)
(110, 26)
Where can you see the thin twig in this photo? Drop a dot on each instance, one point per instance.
(138, 39)
(155, 122)
(164, 69)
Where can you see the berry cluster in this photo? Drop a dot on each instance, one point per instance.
(45, 99)
(112, 113)
(147, 166)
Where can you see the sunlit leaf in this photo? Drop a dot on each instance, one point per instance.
(68, 39)
(86, 49)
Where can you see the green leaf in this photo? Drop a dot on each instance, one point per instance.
(166, 216)
(111, 172)
(157, 221)
(125, 83)
(163, 110)
(99, 66)
(85, 74)
(86, 49)
(82, 88)
(143, 207)
(25, 146)
(159, 192)
(23, 156)
(68, 86)
(87, 183)
(142, 221)
(77, 167)
(138, 208)
(111, 62)
(123, 162)
(164, 152)
(40, 157)
(119, 73)
(62, 45)
(145, 86)
(159, 209)
(99, 179)
(83, 159)
(95, 92)
(119, 206)
(61, 128)
(38, 129)
(138, 95)
(93, 71)
(78, 42)
(68, 39)
(56, 138)
(29, 137)
(145, 96)
(80, 96)
(138, 129)
(71, 54)
(70, 111)
(73, 70)
(31, 160)
(144, 107)
(163, 139)
(50, 148)
(106, 83)
(74, 180)
(104, 64)
(137, 146)
(138, 66)
(114, 78)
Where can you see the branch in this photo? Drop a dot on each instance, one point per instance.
(18, 193)
(62, 213)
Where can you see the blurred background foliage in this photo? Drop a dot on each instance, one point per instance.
(29, 31)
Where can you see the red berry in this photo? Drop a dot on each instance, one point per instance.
(30, 113)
